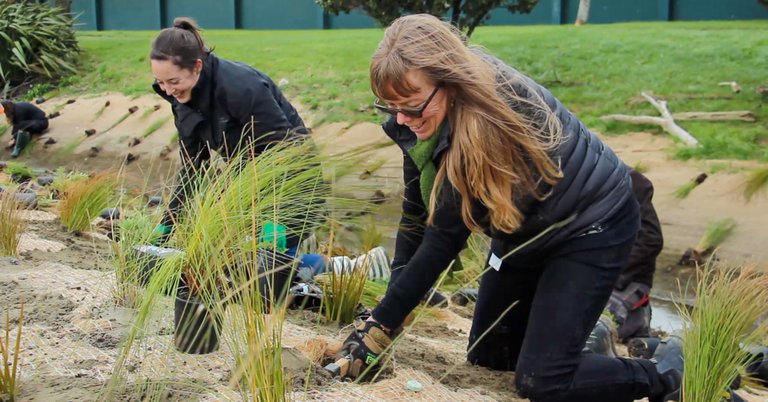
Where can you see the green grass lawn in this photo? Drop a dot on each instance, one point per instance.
(594, 70)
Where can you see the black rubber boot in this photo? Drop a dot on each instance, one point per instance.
(643, 348)
(435, 299)
(670, 365)
(600, 340)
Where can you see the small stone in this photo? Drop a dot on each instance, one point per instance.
(133, 109)
(38, 172)
(71, 101)
(39, 100)
(49, 141)
(45, 180)
(413, 385)
(27, 200)
(89, 132)
(106, 104)
(110, 213)
(54, 115)
(94, 152)
(154, 201)
(164, 152)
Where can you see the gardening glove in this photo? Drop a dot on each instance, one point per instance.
(363, 347)
(274, 234)
(161, 234)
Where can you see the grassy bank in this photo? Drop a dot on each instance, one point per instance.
(595, 70)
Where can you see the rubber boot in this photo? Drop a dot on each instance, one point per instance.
(669, 363)
(22, 139)
(600, 340)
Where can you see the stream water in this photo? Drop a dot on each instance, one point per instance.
(669, 284)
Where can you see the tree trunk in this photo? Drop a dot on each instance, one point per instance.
(583, 14)
(455, 12)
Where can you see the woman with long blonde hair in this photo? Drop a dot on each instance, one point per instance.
(486, 149)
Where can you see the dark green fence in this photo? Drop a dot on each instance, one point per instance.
(306, 14)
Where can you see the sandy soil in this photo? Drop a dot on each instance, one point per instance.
(73, 330)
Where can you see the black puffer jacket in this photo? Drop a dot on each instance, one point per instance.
(227, 97)
(595, 186)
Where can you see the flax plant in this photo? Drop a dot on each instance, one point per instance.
(729, 303)
(10, 355)
(83, 200)
(11, 224)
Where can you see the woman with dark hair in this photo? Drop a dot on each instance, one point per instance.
(27, 120)
(486, 149)
(218, 105)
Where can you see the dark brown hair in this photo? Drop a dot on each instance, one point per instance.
(181, 44)
(8, 106)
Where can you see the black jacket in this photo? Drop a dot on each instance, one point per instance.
(650, 241)
(27, 116)
(595, 186)
(228, 97)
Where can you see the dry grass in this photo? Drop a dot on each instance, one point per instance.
(11, 224)
(83, 200)
(10, 354)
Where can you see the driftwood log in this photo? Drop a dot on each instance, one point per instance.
(666, 121)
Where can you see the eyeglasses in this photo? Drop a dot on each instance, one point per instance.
(408, 111)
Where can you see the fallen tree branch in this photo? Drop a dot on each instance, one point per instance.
(741, 115)
(666, 121)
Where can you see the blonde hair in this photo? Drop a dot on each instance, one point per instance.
(498, 154)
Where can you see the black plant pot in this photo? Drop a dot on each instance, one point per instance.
(197, 328)
(276, 272)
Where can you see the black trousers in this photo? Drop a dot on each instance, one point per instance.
(542, 337)
(31, 126)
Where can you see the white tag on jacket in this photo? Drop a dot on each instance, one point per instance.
(494, 262)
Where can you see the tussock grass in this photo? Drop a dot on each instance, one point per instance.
(685, 190)
(154, 126)
(717, 232)
(10, 355)
(223, 263)
(100, 111)
(11, 224)
(135, 230)
(640, 167)
(82, 200)
(756, 183)
(729, 301)
(118, 121)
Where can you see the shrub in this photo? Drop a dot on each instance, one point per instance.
(36, 40)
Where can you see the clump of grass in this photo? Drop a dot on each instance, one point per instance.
(120, 120)
(10, 354)
(83, 200)
(717, 232)
(3, 129)
(729, 301)
(134, 230)
(756, 183)
(18, 168)
(640, 167)
(154, 126)
(342, 290)
(11, 224)
(685, 190)
(100, 111)
(174, 138)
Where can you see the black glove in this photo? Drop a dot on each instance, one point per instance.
(363, 347)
